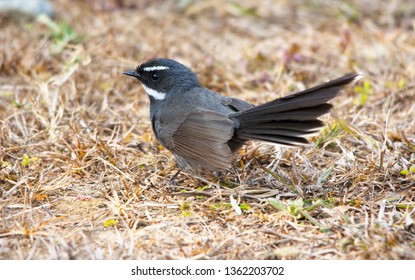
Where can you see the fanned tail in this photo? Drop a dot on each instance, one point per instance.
(289, 120)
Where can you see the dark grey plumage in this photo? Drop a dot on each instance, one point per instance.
(203, 128)
(289, 119)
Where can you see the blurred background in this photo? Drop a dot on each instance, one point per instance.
(231, 44)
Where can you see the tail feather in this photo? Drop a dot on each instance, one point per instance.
(310, 125)
(288, 120)
(281, 139)
(301, 114)
(286, 132)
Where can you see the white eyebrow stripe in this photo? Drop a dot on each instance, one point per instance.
(153, 68)
(154, 93)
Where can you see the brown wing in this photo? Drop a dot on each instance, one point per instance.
(202, 140)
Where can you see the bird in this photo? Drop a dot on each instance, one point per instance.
(204, 129)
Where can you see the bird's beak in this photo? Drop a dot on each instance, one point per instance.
(132, 73)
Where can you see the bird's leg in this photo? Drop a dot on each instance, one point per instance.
(171, 180)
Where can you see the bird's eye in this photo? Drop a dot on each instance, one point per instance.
(154, 77)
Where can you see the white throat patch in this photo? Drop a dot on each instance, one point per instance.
(153, 68)
(154, 93)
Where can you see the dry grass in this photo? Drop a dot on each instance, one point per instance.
(82, 176)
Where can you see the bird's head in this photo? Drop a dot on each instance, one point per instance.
(161, 77)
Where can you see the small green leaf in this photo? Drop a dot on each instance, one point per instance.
(389, 85)
(404, 172)
(412, 169)
(203, 188)
(17, 104)
(298, 203)
(244, 207)
(25, 160)
(61, 33)
(44, 19)
(277, 204)
(110, 223)
(329, 134)
(105, 86)
(296, 206)
(363, 93)
(325, 175)
(186, 208)
(401, 84)
(214, 206)
(186, 214)
(237, 9)
(314, 221)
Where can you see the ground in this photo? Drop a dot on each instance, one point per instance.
(82, 176)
